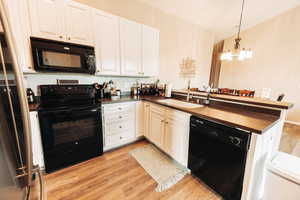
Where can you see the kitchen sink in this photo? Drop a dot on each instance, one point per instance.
(174, 102)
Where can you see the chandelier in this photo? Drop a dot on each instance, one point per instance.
(237, 52)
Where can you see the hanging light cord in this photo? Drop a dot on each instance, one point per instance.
(241, 18)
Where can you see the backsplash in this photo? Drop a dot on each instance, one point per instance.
(122, 83)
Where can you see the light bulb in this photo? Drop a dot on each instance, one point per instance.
(249, 54)
(229, 55)
(242, 55)
(223, 56)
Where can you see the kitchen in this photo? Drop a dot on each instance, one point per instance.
(121, 107)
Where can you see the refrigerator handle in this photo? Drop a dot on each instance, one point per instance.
(20, 90)
(37, 170)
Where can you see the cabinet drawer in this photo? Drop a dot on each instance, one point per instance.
(118, 138)
(114, 108)
(118, 117)
(115, 128)
(113, 139)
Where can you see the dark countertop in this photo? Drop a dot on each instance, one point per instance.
(247, 100)
(235, 117)
(119, 100)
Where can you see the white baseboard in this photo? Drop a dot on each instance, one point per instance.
(292, 122)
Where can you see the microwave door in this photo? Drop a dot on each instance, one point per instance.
(62, 57)
(61, 60)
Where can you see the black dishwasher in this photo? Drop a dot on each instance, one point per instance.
(217, 156)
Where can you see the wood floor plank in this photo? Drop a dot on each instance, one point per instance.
(117, 176)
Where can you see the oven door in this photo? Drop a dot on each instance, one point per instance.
(63, 57)
(70, 136)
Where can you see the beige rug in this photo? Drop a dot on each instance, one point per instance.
(159, 166)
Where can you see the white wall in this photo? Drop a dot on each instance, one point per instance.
(276, 61)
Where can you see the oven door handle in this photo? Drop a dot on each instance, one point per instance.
(86, 111)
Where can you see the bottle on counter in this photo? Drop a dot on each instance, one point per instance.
(30, 95)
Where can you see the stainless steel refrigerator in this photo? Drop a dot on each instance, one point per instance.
(17, 173)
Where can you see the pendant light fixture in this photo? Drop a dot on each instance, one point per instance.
(237, 52)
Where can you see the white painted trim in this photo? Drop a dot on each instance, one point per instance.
(292, 122)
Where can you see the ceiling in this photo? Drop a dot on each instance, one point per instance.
(222, 16)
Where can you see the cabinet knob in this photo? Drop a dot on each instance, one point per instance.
(60, 36)
(120, 126)
(120, 108)
(69, 38)
(120, 117)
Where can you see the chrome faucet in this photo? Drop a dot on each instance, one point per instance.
(208, 90)
(189, 91)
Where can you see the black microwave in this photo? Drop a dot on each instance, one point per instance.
(54, 56)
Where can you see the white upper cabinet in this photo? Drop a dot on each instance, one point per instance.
(78, 23)
(107, 43)
(64, 20)
(122, 47)
(20, 26)
(47, 20)
(131, 48)
(150, 51)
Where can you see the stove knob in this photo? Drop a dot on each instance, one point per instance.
(235, 140)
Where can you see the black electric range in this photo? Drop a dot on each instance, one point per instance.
(71, 125)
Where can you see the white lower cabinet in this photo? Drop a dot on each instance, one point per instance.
(156, 125)
(169, 130)
(119, 126)
(176, 137)
(139, 106)
(37, 148)
(146, 113)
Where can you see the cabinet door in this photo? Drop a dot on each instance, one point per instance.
(131, 47)
(107, 43)
(79, 23)
(47, 19)
(37, 148)
(139, 119)
(146, 111)
(156, 123)
(176, 137)
(18, 14)
(150, 51)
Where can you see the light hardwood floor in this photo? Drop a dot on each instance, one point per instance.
(290, 141)
(117, 176)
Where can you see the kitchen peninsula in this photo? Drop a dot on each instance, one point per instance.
(165, 122)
